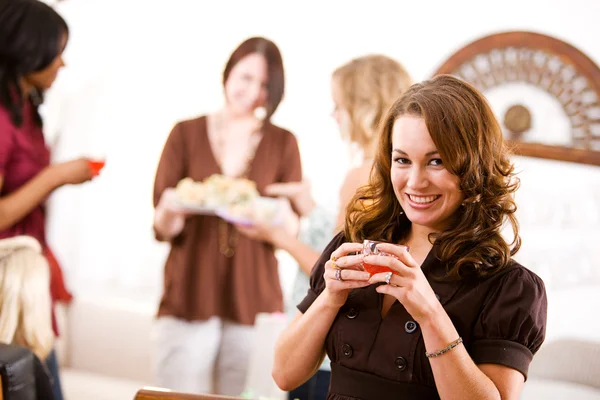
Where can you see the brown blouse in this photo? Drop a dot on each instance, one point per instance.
(502, 320)
(199, 281)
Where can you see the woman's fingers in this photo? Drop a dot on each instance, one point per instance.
(399, 251)
(390, 262)
(342, 275)
(347, 249)
(346, 262)
(390, 279)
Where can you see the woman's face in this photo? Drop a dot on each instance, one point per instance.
(44, 79)
(339, 113)
(246, 86)
(428, 193)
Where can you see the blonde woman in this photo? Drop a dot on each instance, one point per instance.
(362, 90)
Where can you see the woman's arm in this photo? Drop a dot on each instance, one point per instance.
(302, 253)
(456, 375)
(300, 349)
(17, 205)
(313, 238)
(306, 249)
(21, 202)
(279, 237)
(508, 332)
(355, 178)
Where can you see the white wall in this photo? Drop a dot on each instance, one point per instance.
(136, 67)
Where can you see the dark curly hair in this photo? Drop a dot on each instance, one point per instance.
(470, 142)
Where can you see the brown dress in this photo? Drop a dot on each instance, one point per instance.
(199, 281)
(502, 320)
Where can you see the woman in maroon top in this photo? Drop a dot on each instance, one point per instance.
(32, 39)
(454, 317)
(216, 281)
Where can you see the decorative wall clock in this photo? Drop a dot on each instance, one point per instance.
(545, 92)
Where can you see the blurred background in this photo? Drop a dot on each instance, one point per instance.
(135, 68)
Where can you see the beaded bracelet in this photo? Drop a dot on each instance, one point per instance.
(445, 349)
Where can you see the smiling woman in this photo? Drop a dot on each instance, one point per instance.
(450, 176)
(428, 193)
(217, 281)
(456, 317)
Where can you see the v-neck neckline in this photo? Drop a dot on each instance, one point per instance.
(381, 300)
(213, 156)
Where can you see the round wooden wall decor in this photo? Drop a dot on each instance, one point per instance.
(545, 93)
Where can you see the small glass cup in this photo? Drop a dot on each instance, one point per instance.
(96, 165)
(369, 249)
(96, 159)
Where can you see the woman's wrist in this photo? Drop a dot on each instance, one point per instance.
(52, 177)
(306, 208)
(282, 240)
(438, 329)
(331, 301)
(168, 222)
(436, 320)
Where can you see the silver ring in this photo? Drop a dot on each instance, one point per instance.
(338, 274)
(388, 277)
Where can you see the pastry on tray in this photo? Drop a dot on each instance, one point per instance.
(234, 199)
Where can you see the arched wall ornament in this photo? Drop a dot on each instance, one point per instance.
(545, 93)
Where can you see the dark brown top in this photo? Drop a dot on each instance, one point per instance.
(199, 281)
(502, 320)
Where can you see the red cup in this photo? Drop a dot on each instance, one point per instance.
(370, 249)
(96, 166)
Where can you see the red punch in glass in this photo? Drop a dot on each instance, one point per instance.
(96, 166)
(370, 248)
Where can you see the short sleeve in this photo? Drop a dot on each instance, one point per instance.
(317, 282)
(172, 165)
(7, 132)
(512, 324)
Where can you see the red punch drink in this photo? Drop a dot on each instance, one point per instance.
(96, 166)
(370, 248)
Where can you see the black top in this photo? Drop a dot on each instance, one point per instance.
(501, 318)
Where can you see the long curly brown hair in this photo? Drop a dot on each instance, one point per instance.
(470, 142)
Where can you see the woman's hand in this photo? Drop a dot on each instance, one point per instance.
(169, 219)
(343, 272)
(261, 232)
(72, 172)
(299, 194)
(168, 203)
(408, 284)
(283, 225)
